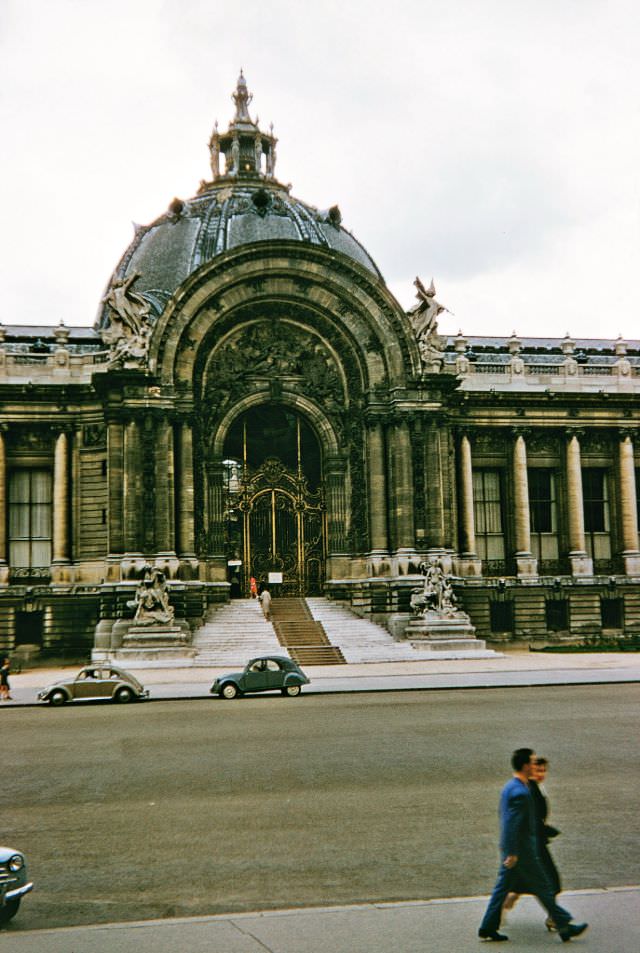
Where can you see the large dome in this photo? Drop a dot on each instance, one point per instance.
(244, 204)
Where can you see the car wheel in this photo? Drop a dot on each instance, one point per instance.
(123, 695)
(228, 690)
(291, 690)
(57, 698)
(9, 910)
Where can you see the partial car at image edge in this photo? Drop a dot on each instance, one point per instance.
(13, 882)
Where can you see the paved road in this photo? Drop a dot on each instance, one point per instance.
(438, 926)
(206, 807)
(509, 670)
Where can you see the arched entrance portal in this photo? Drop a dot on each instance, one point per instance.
(275, 512)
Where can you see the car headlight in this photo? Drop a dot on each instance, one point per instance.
(16, 863)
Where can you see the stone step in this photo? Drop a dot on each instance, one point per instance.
(363, 641)
(233, 634)
(317, 655)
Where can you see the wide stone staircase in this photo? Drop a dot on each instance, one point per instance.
(313, 631)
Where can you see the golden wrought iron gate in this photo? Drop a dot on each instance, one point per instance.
(283, 529)
(275, 520)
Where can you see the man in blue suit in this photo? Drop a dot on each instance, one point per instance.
(519, 848)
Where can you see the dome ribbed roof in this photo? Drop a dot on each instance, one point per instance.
(240, 206)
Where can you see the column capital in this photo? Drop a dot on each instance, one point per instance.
(571, 432)
(518, 431)
(375, 418)
(631, 432)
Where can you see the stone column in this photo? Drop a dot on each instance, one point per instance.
(581, 564)
(401, 489)
(215, 507)
(628, 506)
(4, 566)
(132, 489)
(61, 499)
(468, 563)
(336, 505)
(434, 491)
(186, 535)
(115, 469)
(164, 501)
(526, 564)
(379, 540)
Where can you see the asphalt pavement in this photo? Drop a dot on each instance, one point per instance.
(433, 926)
(438, 926)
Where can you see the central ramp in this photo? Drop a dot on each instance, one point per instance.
(303, 637)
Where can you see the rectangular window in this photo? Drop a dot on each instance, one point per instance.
(595, 494)
(501, 616)
(30, 518)
(541, 500)
(543, 514)
(487, 508)
(611, 613)
(557, 615)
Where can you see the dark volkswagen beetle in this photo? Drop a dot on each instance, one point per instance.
(268, 673)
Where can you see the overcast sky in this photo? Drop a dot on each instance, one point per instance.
(493, 145)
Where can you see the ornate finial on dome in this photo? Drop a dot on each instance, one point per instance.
(242, 97)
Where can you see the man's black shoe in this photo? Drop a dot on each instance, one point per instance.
(572, 929)
(492, 935)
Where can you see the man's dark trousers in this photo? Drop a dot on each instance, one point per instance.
(530, 879)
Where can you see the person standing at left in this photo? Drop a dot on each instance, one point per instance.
(5, 669)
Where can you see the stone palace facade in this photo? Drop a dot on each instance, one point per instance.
(252, 400)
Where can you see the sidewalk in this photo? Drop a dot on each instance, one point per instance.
(432, 926)
(513, 668)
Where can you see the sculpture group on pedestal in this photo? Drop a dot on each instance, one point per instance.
(436, 594)
(152, 599)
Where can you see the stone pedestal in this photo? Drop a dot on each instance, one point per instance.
(581, 564)
(154, 636)
(129, 641)
(631, 564)
(467, 565)
(437, 632)
(526, 565)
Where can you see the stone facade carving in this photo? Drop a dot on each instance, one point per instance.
(424, 319)
(152, 599)
(436, 594)
(130, 325)
(272, 350)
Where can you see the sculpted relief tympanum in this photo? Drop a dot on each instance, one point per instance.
(274, 350)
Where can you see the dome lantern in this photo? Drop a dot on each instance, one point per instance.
(244, 146)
